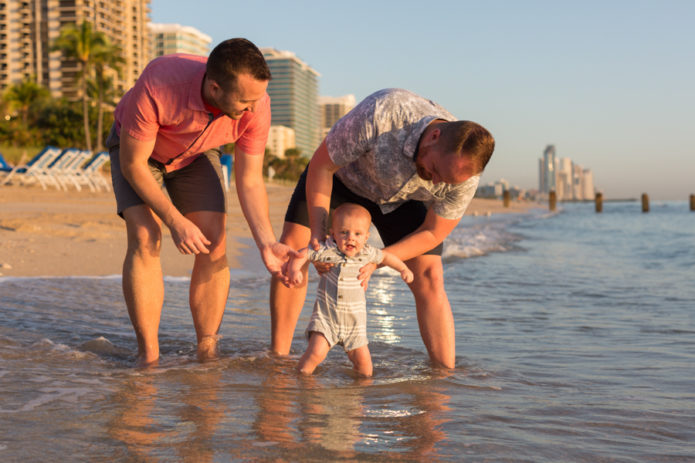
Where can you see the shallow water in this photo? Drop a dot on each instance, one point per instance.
(575, 342)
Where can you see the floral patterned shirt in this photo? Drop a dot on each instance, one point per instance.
(374, 145)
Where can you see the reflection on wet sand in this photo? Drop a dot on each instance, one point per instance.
(307, 417)
(205, 412)
(152, 429)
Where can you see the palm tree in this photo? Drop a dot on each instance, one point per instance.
(81, 43)
(108, 55)
(23, 94)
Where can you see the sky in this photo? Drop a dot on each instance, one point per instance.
(610, 83)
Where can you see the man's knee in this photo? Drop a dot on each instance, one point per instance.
(212, 225)
(144, 235)
(294, 235)
(428, 274)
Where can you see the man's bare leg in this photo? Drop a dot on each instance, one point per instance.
(209, 282)
(286, 303)
(143, 286)
(434, 315)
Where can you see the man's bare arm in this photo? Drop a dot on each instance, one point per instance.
(319, 185)
(254, 204)
(134, 154)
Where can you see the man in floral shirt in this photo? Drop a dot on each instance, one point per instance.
(415, 168)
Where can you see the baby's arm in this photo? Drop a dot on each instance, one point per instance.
(294, 268)
(398, 265)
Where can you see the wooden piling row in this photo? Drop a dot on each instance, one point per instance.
(552, 200)
(598, 200)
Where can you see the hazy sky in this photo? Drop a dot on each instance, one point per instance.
(610, 83)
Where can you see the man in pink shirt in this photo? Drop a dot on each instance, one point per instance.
(168, 129)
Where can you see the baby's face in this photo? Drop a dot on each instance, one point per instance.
(350, 233)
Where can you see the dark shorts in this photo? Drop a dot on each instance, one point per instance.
(392, 227)
(196, 187)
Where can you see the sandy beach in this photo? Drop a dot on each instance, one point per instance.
(71, 233)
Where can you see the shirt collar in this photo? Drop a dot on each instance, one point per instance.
(195, 94)
(413, 138)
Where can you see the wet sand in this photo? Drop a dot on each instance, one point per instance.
(71, 233)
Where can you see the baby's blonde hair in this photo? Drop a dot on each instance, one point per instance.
(348, 209)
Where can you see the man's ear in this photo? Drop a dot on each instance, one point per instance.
(436, 133)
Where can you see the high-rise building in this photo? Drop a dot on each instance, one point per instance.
(280, 139)
(28, 29)
(175, 38)
(332, 109)
(570, 181)
(547, 180)
(587, 185)
(293, 94)
(563, 179)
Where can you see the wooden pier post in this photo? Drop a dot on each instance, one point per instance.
(552, 200)
(645, 202)
(506, 198)
(692, 203)
(599, 202)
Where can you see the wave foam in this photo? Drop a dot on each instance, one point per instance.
(474, 240)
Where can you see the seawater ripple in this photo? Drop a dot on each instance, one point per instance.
(574, 343)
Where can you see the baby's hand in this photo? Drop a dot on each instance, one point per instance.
(295, 273)
(407, 275)
(296, 278)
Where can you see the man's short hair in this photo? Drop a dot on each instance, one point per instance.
(233, 57)
(468, 138)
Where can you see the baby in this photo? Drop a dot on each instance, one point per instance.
(340, 310)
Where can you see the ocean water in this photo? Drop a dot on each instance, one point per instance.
(575, 342)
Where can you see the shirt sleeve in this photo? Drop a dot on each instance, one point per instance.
(353, 135)
(140, 115)
(374, 254)
(255, 136)
(322, 254)
(456, 201)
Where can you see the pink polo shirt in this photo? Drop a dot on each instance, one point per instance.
(166, 104)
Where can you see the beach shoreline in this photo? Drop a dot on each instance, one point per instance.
(77, 233)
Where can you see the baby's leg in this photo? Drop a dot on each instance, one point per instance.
(361, 360)
(315, 353)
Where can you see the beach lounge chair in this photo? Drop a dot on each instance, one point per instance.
(69, 173)
(36, 169)
(58, 167)
(91, 175)
(4, 166)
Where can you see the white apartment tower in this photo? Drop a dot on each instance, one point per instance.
(332, 109)
(587, 185)
(175, 38)
(280, 139)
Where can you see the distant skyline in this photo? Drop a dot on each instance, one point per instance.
(610, 84)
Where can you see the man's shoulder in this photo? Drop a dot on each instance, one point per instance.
(401, 106)
(397, 96)
(174, 68)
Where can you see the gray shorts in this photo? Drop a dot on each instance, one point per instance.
(347, 330)
(196, 187)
